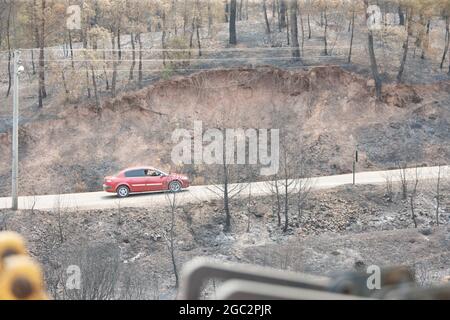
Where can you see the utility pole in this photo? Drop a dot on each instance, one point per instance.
(15, 133)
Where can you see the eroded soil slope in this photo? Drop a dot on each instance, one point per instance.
(332, 111)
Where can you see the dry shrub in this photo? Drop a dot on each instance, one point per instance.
(103, 275)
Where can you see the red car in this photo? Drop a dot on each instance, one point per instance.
(143, 179)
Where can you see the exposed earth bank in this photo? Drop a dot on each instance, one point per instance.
(332, 111)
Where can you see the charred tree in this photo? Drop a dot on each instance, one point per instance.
(266, 19)
(372, 57)
(232, 24)
(447, 40)
(133, 56)
(351, 36)
(294, 29)
(405, 49)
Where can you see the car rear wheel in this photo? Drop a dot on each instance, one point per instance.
(175, 186)
(123, 191)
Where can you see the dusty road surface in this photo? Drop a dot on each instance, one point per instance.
(103, 200)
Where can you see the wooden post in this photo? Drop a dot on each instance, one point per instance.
(354, 167)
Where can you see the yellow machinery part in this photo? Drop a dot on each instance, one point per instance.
(11, 243)
(21, 279)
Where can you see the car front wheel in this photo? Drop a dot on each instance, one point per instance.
(175, 186)
(123, 191)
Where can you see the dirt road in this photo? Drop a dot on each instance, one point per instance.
(103, 200)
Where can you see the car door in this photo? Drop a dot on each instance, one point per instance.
(136, 180)
(154, 180)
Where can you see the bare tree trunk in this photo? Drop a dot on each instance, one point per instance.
(226, 205)
(282, 15)
(302, 31)
(412, 199)
(71, 49)
(225, 180)
(66, 90)
(425, 42)
(274, 8)
(173, 16)
(174, 264)
(232, 24)
(266, 19)
(302, 195)
(309, 27)
(276, 198)
(240, 10)
(210, 18)
(94, 83)
(447, 40)
(373, 60)
(171, 238)
(140, 75)
(227, 11)
(351, 37)
(42, 90)
(405, 49)
(325, 40)
(33, 66)
(118, 43)
(438, 195)
(413, 214)
(403, 180)
(185, 16)
(104, 71)
(42, 73)
(288, 38)
(246, 9)
(114, 75)
(163, 38)
(286, 201)
(88, 85)
(374, 66)
(60, 225)
(401, 16)
(8, 41)
(133, 55)
(198, 38)
(191, 37)
(294, 29)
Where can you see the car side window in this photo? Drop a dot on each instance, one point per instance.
(153, 173)
(135, 173)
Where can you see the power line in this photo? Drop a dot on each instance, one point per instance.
(207, 69)
(176, 50)
(186, 60)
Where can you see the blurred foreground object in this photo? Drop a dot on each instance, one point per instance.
(11, 243)
(242, 281)
(21, 278)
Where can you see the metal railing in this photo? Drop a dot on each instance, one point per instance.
(242, 281)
